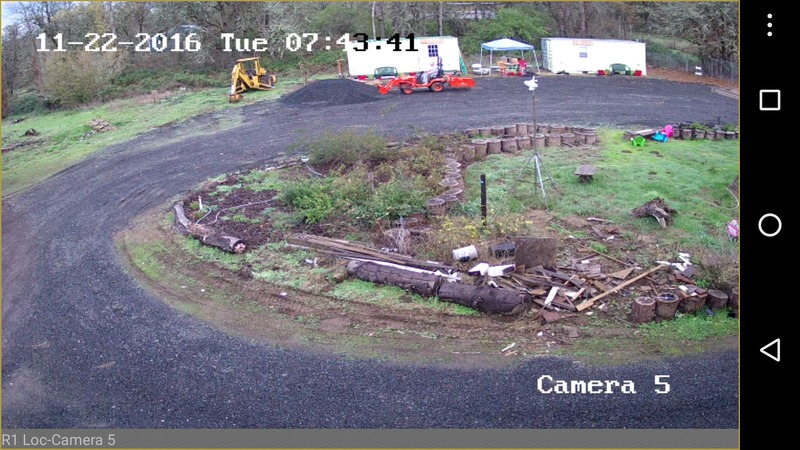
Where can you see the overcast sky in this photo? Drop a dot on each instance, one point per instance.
(7, 17)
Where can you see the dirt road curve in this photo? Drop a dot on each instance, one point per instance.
(85, 347)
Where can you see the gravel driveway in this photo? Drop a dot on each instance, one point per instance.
(86, 347)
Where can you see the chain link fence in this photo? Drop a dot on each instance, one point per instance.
(708, 67)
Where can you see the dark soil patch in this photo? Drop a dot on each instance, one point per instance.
(333, 93)
(238, 212)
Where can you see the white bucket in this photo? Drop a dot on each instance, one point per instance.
(465, 254)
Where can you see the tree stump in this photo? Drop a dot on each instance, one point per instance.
(509, 145)
(449, 200)
(480, 148)
(522, 129)
(498, 131)
(485, 132)
(456, 192)
(717, 299)
(543, 128)
(644, 310)
(557, 129)
(437, 207)
(523, 142)
(537, 141)
(591, 137)
(733, 300)
(469, 154)
(730, 135)
(494, 146)
(568, 139)
(686, 133)
(666, 305)
(552, 140)
(422, 283)
(510, 130)
(691, 305)
(485, 298)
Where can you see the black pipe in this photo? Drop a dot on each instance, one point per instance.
(483, 198)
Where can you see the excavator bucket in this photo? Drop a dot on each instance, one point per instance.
(458, 82)
(383, 89)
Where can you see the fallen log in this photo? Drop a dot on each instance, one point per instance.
(417, 281)
(208, 236)
(485, 298)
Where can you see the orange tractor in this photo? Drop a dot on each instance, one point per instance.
(408, 83)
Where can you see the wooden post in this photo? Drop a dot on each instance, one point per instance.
(644, 310)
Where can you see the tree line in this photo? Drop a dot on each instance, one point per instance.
(75, 76)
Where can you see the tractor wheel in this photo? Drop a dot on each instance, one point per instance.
(407, 89)
(437, 86)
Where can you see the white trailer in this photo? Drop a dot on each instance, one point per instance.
(590, 55)
(363, 62)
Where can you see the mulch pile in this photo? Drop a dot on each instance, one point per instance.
(332, 93)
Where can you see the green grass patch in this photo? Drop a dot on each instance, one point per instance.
(394, 297)
(66, 139)
(691, 176)
(691, 327)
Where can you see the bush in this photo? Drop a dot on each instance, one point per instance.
(76, 78)
(344, 150)
(311, 199)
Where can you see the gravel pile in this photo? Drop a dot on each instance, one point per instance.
(332, 93)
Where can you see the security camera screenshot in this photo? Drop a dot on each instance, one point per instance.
(387, 224)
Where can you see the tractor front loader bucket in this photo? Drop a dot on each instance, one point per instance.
(386, 88)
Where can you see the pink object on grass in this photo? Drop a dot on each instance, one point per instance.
(668, 130)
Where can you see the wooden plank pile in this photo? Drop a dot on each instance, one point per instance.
(511, 287)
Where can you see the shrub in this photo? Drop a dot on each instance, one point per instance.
(76, 78)
(310, 198)
(344, 150)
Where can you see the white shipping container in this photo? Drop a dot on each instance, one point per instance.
(590, 55)
(381, 54)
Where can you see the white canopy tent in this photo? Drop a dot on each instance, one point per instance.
(506, 44)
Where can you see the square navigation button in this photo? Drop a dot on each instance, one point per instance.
(770, 100)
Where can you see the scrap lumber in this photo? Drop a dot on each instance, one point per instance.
(350, 250)
(208, 236)
(621, 274)
(588, 303)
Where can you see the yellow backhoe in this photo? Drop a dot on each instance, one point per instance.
(248, 74)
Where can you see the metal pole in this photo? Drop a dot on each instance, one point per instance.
(534, 115)
(541, 182)
(483, 199)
